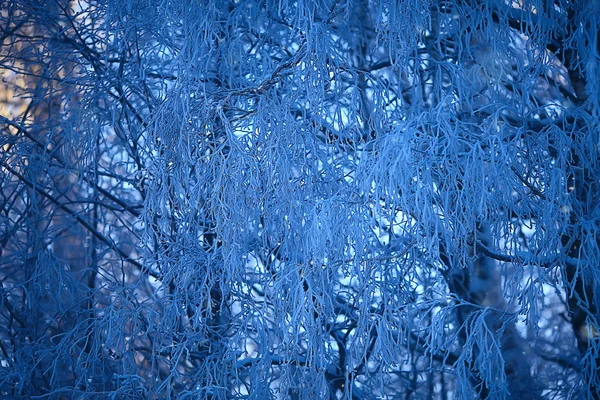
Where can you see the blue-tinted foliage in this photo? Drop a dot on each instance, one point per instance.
(333, 199)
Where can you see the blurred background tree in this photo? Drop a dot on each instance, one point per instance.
(299, 199)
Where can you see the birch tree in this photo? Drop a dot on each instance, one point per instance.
(300, 199)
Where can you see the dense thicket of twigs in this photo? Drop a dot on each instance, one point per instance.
(299, 199)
